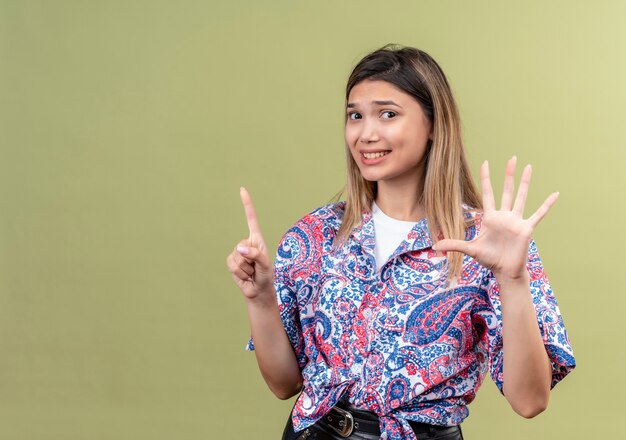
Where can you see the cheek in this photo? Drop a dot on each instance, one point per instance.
(416, 136)
(350, 135)
(399, 130)
(355, 155)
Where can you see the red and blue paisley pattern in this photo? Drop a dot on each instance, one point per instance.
(399, 342)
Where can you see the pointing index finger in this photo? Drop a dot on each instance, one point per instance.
(253, 224)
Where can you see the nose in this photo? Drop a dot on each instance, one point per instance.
(369, 133)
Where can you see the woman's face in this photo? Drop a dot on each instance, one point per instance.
(387, 132)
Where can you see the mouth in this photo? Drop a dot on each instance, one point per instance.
(375, 154)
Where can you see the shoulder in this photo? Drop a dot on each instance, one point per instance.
(316, 227)
(305, 241)
(324, 217)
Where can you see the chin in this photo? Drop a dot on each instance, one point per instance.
(371, 178)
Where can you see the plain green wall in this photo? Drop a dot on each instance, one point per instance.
(127, 127)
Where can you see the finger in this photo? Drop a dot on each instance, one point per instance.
(243, 276)
(240, 283)
(251, 218)
(451, 245)
(235, 261)
(522, 191)
(237, 271)
(240, 260)
(509, 184)
(246, 266)
(543, 209)
(489, 203)
(254, 255)
(242, 249)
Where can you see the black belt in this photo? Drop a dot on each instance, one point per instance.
(346, 419)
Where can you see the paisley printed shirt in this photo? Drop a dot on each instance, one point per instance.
(399, 341)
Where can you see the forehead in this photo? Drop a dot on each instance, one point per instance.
(376, 90)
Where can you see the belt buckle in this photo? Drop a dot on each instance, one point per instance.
(346, 425)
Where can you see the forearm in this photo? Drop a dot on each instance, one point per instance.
(527, 370)
(274, 353)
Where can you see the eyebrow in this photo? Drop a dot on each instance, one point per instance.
(353, 105)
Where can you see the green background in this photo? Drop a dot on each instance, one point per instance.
(127, 127)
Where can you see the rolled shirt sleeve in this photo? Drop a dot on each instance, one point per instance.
(549, 320)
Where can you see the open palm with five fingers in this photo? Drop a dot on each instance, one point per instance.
(249, 262)
(504, 237)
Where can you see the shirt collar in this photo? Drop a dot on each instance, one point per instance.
(417, 239)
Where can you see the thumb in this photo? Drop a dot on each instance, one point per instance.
(448, 244)
(258, 255)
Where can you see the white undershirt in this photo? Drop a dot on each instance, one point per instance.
(389, 233)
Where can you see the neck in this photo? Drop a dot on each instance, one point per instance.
(401, 201)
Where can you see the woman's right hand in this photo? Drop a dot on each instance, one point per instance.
(253, 273)
(249, 263)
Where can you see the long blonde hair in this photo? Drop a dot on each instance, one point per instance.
(447, 179)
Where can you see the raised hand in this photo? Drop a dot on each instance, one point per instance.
(249, 262)
(504, 237)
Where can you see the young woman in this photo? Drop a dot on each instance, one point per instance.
(385, 311)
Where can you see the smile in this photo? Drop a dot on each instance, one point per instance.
(375, 155)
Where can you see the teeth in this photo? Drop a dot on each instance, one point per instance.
(375, 155)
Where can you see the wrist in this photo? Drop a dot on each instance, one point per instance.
(513, 281)
(263, 299)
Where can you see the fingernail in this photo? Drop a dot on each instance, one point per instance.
(243, 250)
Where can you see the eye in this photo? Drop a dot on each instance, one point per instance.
(393, 114)
(354, 115)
